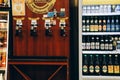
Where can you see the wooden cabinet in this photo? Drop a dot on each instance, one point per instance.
(41, 41)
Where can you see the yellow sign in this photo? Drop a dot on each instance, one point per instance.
(40, 9)
(97, 2)
(18, 7)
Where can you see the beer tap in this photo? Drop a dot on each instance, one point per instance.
(34, 25)
(49, 22)
(19, 25)
(62, 24)
(48, 31)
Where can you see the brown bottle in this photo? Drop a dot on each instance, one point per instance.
(102, 44)
(116, 66)
(110, 43)
(104, 25)
(100, 27)
(106, 43)
(97, 65)
(92, 43)
(110, 65)
(92, 26)
(85, 65)
(96, 24)
(91, 66)
(97, 43)
(104, 69)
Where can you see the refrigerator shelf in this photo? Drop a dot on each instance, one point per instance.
(101, 14)
(101, 77)
(101, 52)
(100, 33)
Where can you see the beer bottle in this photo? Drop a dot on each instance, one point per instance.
(110, 65)
(108, 25)
(102, 45)
(110, 43)
(100, 24)
(83, 25)
(91, 24)
(106, 43)
(91, 65)
(104, 24)
(88, 43)
(85, 65)
(116, 66)
(112, 25)
(96, 24)
(92, 44)
(97, 65)
(104, 69)
(117, 26)
(83, 43)
(115, 42)
(87, 24)
(97, 43)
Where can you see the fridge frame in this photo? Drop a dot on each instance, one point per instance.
(7, 51)
(81, 76)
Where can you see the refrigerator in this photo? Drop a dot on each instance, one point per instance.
(99, 40)
(4, 37)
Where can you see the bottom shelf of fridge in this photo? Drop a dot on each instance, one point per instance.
(100, 77)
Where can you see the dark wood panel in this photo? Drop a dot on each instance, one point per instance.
(42, 45)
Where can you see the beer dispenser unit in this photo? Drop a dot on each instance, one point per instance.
(34, 25)
(62, 23)
(49, 22)
(19, 25)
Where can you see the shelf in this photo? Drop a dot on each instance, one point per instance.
(101, 14)
(101, 52)
(15, 63)
(101, 77)
(2, 68)
(100, 33)
(3, 21)
(3, 29)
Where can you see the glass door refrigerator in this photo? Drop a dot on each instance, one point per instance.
(99, 40)
(4, 32)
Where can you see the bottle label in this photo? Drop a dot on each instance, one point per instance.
(83, 46)
(92, 45)
(100, 28)
(96, 27)
(114, 43)
(110, 68)
(102, 46)
(117, 27)
(112, 27)
(87, 28)
(104, 69)
(91, 27)
(108, 27)
(91, 69)
(106, 46)
(87, 45)
(116, 69)
(110, 46)
(97, 69)
(85, 69)
(97, 45)
(84, 27)
(104, 27)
